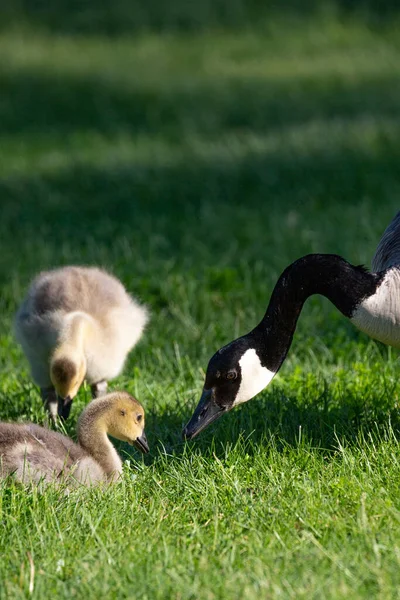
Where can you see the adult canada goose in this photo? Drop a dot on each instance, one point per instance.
(241, 369)
(77, 323)
(33, 454)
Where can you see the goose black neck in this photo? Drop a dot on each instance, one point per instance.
(345, 285)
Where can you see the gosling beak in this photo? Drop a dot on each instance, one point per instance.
(64, 407)
(207, 412)
(141, 443)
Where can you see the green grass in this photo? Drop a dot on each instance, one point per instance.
(196, 168)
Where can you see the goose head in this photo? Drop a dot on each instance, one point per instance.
(67, 372)
(235, 374)
(125, 421)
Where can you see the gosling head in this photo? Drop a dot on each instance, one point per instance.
(235, 374)
(67, 373)
(125, 420)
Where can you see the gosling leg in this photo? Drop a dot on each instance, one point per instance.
(50, 400)
(99, 389)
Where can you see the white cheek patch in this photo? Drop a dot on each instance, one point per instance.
(255, 377)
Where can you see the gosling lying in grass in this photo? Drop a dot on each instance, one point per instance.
(33, 454)
(77, 323)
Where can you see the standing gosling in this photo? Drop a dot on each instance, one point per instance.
(76, 323)
(34, 454)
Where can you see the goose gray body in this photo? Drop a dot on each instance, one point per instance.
(242, 368)
(388, 251)
(379, 314)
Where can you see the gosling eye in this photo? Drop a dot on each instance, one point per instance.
(231, 375)
(123, 412)
(139, 418)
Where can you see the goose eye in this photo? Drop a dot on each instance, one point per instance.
(231, 375)
(139, 418)
(123, 413)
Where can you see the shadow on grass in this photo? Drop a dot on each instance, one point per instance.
(285, 421)
(185, 200)
(52, 106)
(282, 420)
(123, 16)
(134, 197)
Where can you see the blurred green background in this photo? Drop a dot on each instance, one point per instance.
(124, 17)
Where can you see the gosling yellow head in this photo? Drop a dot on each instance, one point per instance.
(125, 421)
(119, 415)
(67, 373)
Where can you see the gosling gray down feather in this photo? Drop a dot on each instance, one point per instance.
(81, 314)
(34, 454)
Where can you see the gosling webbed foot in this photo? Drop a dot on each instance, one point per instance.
(50, 400)
(99, 389)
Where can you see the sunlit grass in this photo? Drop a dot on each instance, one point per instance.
(196, 168)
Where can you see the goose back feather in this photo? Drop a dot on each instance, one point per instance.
(388, 251)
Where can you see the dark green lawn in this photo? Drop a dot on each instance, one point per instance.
(196, 168)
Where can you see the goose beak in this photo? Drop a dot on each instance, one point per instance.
(207, 412)
(141, 443)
